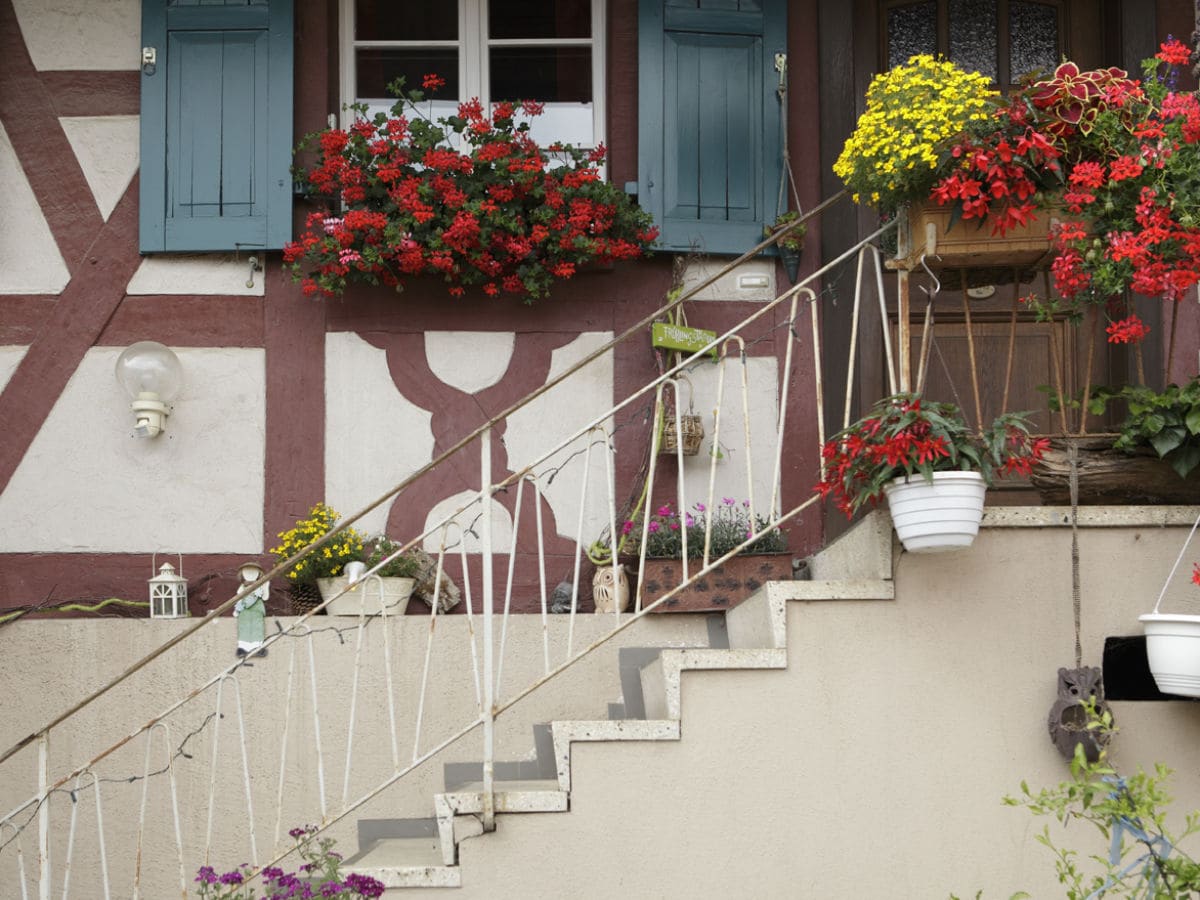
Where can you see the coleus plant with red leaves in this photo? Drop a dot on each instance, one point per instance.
(1119, 158)
(471, 199)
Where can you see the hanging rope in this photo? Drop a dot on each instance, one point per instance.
(1073, 457)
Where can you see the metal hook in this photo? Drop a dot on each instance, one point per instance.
(255, 266)
(937, 284)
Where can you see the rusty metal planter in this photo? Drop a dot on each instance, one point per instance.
(723, 588)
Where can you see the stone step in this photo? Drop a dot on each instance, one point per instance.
(405, 862)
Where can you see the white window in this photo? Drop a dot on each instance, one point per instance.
(546, 50)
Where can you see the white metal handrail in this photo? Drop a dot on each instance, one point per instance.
(487, 668)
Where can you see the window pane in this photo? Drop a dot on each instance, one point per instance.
(541, 73)
(911, 30)
(539, 19)
(387, 20)
(973, 38)
(376, 68)
(1033, 38)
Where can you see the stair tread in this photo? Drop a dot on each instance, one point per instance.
(540, 795)
(389, 853)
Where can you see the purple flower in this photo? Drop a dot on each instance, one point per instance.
(207, 875)
(653, 527)
(728, 501)
(232, 878)
(270, 873)
(298, 833)
(365, 885)
(699, 507)
(690, 520)
(746, 503)
(332, 888)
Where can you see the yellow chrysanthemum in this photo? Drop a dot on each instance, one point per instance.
(912, 112)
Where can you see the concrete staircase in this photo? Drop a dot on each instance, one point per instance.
(423, 853)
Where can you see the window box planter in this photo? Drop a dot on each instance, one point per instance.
(970, 244)
(723, 588)
(367, 597)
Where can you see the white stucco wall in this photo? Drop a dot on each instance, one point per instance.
(737, 470)
(374, 437)
(87, 484)
(10, 358)
(30, 262)
(485, 364)
(207, 273)
(107, 150)
(553, 417)
(81, 34)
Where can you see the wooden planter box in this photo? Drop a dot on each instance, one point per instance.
(1108, 476)
(723, 588)
(970, 244)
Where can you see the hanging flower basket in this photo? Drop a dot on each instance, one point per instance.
(1173, 650)
(938, 515)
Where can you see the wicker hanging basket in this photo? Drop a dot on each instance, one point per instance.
(691, 426)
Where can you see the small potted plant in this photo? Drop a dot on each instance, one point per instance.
(789, 240)
(383, 580)
(328, 562)
(932, 468)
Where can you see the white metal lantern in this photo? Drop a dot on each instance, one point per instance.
(168, 593)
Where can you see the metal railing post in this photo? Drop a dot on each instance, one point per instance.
(489, 670)
(44, 816)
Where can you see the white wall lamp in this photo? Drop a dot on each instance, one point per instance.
(152, 376)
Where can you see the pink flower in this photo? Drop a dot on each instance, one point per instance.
(664, 510)
(653, 527)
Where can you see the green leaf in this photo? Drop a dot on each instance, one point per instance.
(1167, 439)
(1192, 419)
(1185, 459)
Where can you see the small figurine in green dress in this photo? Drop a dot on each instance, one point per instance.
(251, 612)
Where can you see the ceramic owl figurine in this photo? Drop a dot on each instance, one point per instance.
(610, 591)
(1068, 716)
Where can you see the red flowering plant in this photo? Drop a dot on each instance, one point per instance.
(1120, 158)
(470, 198)
(906, 435)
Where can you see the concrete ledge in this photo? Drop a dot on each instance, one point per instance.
(1089, 516)
(849, 589)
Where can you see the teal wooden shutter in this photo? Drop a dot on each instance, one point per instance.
(709, 155)
(216, 129)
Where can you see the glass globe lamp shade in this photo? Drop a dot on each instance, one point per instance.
(152, 376)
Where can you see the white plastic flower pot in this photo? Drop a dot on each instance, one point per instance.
(365, 597)
(1173, 649)
(939, 515)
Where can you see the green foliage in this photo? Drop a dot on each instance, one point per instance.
(1129, 812)
(728, 526)
(406, 565)
(1168, 421)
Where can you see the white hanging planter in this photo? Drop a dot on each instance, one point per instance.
(367, 597)
(1173, 640)
(1173, 649)
(933, 517)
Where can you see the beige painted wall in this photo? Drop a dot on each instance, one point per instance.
(873, 766)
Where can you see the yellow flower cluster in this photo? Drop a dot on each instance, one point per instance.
(327, 562)
(913, 111)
